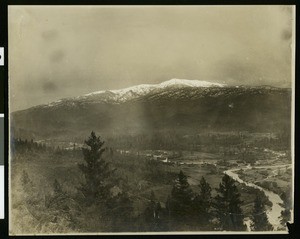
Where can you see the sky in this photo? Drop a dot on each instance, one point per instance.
(65, 51)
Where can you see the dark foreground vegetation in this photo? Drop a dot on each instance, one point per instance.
(94, 188)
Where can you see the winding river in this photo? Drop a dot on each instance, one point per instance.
(275, 211)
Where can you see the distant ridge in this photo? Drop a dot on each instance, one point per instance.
(146, 88)
(136, 91)
(176, 105)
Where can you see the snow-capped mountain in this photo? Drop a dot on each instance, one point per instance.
(188, 83)
(146, 88)
(137, 91)
(179, 105)
(133, 92)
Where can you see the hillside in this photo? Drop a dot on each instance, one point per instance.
(177, 105)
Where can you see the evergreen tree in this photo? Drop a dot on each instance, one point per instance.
(286, 213)
(180, 202)
(95, 170)
(228, 205)
(152, 214)
(202, 203)
(259, 217)
(120, 213)
(57, 200)
(168, 210)
(285, 217)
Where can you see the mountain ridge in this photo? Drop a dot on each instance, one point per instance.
(180, 109)
(133, 92)
(173, 82)
(137, 91)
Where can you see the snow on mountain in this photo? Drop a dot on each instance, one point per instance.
(133, 92)
(189, 83)
(138, 90)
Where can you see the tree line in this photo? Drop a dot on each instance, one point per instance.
(184, 208)
(104, 203)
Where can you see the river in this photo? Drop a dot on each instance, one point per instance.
(274, 212)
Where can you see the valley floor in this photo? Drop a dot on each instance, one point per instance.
(34, 172)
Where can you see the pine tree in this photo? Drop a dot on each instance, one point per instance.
(58, 199)
(285, 216)
(202, 203)
(180, 202)
(286, 213)
(228, 205)
(120, 213)
(95, 170)
(152, 214)
(259, 217)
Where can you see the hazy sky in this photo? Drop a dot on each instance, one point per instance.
(58, 52)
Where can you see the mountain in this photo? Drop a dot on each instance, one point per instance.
(134, 92)
(181, 106)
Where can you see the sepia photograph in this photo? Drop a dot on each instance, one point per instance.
(151, 119)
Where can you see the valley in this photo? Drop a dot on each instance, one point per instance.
(154, 171)
(154, 158)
